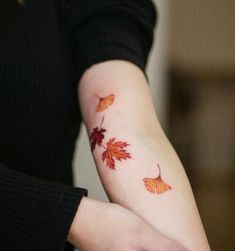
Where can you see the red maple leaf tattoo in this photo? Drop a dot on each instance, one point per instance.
(97, 137)
(115, 151)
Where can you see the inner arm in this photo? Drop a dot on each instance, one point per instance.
(137, 165)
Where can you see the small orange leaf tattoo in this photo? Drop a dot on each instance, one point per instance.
(156, 185)
(115, 151)
(104, 102)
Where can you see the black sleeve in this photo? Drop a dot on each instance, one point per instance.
(111, 29)
(35, 215)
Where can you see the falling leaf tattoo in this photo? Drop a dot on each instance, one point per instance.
(97, 136)
(104, 102)
(156, 185)
(115, 151)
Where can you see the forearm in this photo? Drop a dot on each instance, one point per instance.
(132, 121)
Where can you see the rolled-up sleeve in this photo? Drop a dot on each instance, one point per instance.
(111, 29)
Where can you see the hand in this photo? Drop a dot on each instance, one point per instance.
(100, 226)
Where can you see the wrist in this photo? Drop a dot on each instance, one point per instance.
(87, 210)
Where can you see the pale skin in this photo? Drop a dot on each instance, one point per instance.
(168, 215)
(102, 226)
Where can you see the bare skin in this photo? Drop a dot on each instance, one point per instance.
(136, 163)
(100, 226)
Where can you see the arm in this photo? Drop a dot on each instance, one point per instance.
(142, 149)
(95, 219)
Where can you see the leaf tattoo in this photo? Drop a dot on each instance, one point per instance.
(104, 102)
(156, 185)
(96, 137)
(115, 151)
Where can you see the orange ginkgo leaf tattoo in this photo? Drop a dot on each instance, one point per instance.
(104, 102)
(115, 151)
(156, 185)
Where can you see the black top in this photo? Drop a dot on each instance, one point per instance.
(45, 46)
